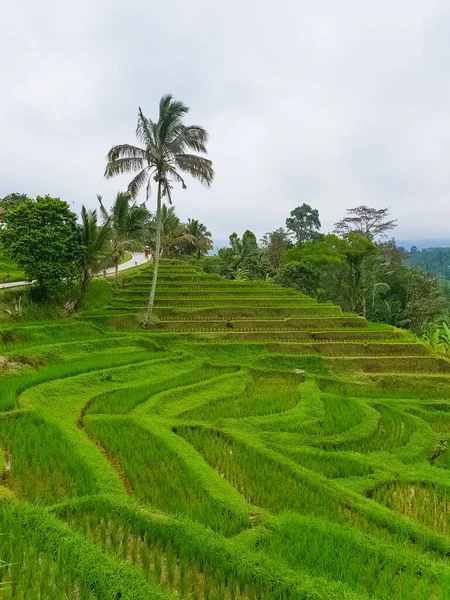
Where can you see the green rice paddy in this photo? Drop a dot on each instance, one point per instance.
(252, 445)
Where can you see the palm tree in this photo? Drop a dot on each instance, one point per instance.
(128, 225)
(172, 232)
(200, 240)
(94, 247)
(245, 250)
(163, 159)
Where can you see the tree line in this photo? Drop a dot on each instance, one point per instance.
(61, 253)
(356, 266)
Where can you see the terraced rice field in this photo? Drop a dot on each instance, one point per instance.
(253, 444)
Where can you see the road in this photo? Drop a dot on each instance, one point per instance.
(137, 259)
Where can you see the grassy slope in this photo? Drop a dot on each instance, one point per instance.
(9, 267)
(252, 444)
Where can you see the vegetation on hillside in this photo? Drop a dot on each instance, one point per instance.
(254, 443)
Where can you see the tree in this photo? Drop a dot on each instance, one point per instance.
(424, 301)
(300, 276)
(163, 159)
(341, 265)
(180, 239)
(94, 241)
(358, 249)
(244, 254)
(199, 238)
(275, 243)
(172, 233)
(369, 222)
(304, 223)
(42, 238)
(13, 201)
(127, 224)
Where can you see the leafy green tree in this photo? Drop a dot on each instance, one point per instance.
(358, 249)
(425, 301)
(94, 242)
(42, 237)
(326, 257)
(163, 159)
(341, 264)
(213, 264)
(369, 222)
(275, 243)
(304, 224)
(13, 201)
(128, 227)
(328, 250)
(300, 276)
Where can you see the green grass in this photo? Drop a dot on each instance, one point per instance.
(253, 444)
(9, 267)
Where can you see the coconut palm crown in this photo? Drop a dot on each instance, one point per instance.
(165, 156)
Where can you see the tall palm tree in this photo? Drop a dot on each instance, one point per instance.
(128, 224)
(200, 238)
(94, 247)
(163, 158)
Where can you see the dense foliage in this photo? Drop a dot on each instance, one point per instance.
(42, 237)
(356, 269)
(435, 261)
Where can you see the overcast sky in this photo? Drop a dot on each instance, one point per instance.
(330, 103)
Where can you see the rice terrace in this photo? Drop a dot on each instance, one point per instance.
(253, 444)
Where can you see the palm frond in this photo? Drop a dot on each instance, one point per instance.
(119, 212)
(177, 178)
(124, 165)
(193, 137)
(145, 130)
(126, 151)
(198, 167)
(94, 241)
(167, 190)
(138, 182)
(105, 214)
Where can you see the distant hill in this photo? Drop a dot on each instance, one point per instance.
(435, 261)
(424, 244)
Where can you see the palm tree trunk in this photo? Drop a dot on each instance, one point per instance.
(156, 256)
(84, 285)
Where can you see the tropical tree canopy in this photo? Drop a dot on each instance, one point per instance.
(304, 224)
(42, 237)
(369, 222)
(94, 243)
(128, 227)
(199, 238)
(164, 156)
